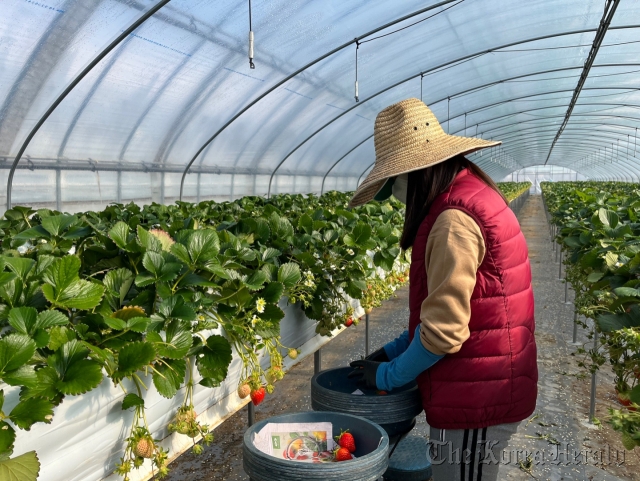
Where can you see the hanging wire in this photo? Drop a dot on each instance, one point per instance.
(448, 114)
(357, 48)
(635, 144)
(465, 124)
(421, 78)
(628, 140)
(251, 40)
(415, 23)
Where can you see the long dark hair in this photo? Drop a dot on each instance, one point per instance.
(426, 184)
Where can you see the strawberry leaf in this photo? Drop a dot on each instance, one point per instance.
(25, 467)
(30, 411)
(15, 351)
(289, 274)
(133, 357)
(215, 359)
(7, 438)
(169, 377)
(80, 377)
(131, 400)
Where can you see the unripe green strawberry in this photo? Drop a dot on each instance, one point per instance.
(293, 353)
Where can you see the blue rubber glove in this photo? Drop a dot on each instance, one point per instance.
(397, 346)
(407, 366)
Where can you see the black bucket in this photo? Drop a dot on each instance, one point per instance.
(395, 412)
(369, 465)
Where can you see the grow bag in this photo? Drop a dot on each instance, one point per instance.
(371, 454)
(395, 412)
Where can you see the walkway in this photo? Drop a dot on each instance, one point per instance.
(563, 394)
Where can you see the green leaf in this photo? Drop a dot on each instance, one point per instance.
(50, 318)
(181, 253)
(20, 266)
(289, 274)
(25, 467)
(131, 400)
(36, 232)
(174, 343)
(270, 253)
(115, 323)
(306, 223)
(626, 292)
(359, 236)
(7, 438)
(56, 224)
(634, 394)
(215, 359)
(15, 351)
(153, 262)
(23, 376)
(134, 356)
(255, 281)
(148, 241)
(273, 292)
(169, 377)
(81, 294)
(118, 283)
(62, 273)
(23, 319)
(608, 217)
(613, 322)
(138, 324)
(58, 336)
(174, 307)
(30, 411)
(119, 234)
(80, 377)
(595, 277)
(6, 277)
(203, 245)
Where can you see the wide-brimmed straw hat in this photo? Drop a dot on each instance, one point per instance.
(408, 137)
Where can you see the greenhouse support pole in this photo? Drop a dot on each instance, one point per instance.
(560, 264)
(143, 18)
(575, 326)
(251, 414)
(317, 361)
(366, 335)
(566, 289)
(592, 405)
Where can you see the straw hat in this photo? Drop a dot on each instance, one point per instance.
(408, 137)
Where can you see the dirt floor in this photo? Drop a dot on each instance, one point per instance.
(585, 452)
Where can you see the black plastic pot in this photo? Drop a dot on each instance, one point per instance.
(395, 412)
(371, 461)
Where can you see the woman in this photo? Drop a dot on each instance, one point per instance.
(470, 342)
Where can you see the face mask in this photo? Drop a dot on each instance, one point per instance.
(399, 188)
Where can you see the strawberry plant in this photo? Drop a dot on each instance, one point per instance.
(598, 229)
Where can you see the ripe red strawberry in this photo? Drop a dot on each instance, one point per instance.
(257, 396)
(343, 454)
(345, 440)
(348, 322)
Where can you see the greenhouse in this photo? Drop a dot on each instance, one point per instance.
(319, 240)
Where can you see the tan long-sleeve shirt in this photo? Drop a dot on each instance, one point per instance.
(455, 250)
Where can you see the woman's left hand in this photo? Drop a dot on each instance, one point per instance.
(366, 372)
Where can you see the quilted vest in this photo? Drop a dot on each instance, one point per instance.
(493, 378)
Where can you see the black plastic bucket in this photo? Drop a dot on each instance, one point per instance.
(395, 412)
(371, 454)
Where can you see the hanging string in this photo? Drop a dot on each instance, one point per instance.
(448, 114)
(628, 140)
(465, 124)
(357, 48)
(251, 40)
(421, 78)
(635, 144)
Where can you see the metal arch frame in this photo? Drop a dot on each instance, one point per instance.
(609, 11)
(624, 162)
(300, 70)
(614, 135)
(143, 18)
(339, 160)
(460, 59)
(577, 125)
(421, 74)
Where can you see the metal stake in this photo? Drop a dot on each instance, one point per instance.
(252, 414)
(566, 290)
(575, 326)
(592, 406)
(366, 335)
(560, 265)
(317, 361)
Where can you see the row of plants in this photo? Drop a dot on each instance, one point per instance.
(513, 190)
(598, 226)
(172, 293)
(168, 291)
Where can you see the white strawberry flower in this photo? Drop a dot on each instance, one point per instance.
(260, 305)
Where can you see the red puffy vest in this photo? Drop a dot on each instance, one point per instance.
(493, 378)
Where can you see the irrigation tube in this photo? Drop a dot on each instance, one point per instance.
(73, 84)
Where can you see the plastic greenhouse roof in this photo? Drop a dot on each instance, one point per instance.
(170, 93)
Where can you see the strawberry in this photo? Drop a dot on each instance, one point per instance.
(143, 448)
(348, 322)
(345, 440)
(342, 454)
(257, 396)
(243, 391)
(293, 353)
